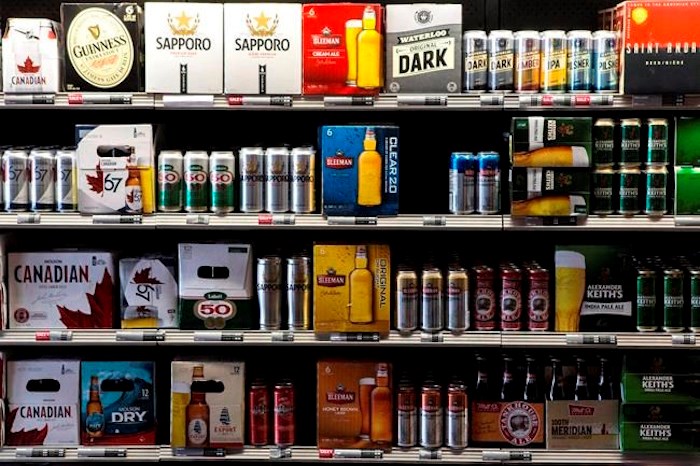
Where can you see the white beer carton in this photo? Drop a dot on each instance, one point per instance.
(262, 51)
(43, 399)
(149, 292)
(61, 289)
(31, 56)
(185, 48)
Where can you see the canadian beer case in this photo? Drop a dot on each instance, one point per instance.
(511, 424)
(583, 425)
(149, 294)
(31, 55)
(120, 408)
(660, 427)
(661, 378)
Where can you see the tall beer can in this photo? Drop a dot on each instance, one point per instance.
(432, 319)
(15, 166)
(462, 182)
(259, 411)
(500, 45)
(298, 292)
(488, 183)
(284, 422)
(42, 180)
(527, 61)
(406, 300)
(170, 165)
(431, 414)
(484, 299)
(457, 300)
(196, 174)
(302, 180)
(269, 284)
(606, 62)
(553, 63)
(457, 422)
(511, 299)
(222, 173)
(407, 416)
(579, 60)
(66, 180)
(251, 173)
(277, 179)
(476, 61)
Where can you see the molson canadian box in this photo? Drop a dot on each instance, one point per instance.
(117, 403)
(61, 289)
(148, 292)
(262, 48)
(207, 404)
(43, 402)
(423, 48)
(31, 56)
(343, 49)
(103, 46)
(352, 291)
(661, 378)
(515, 423)
(185, 48)
(660, 427)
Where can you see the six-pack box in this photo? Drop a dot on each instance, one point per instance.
(31, 55)
(511, 424)
(149, 293)
(661, 378)
(583, 425)
(657, 427)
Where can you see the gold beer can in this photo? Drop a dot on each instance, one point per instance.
(553, 61)
(527, 61)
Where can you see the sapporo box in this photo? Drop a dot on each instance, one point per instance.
(31, 56)
(148, 292)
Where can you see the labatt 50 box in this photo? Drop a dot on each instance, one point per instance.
(424, 48)
(207, 404)
(515, 423)
(31, 55)
(148, 292)
(61, 289)
(583, 425)
(352, 291)
(43, 402)
(118, 403)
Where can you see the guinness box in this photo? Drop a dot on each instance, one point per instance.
(103, 46)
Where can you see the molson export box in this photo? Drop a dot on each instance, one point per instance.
(660, 427)
(117, 403)
(31, 56)
(61, 289)
(43, 402)
(352, 291)
(424, 48)
(207, 404)
(661, 378)
(185, 48)
(103, 46)
(262, 48)
(515, 423)
(343, 49)
(148, 292)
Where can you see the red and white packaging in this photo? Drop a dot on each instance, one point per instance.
(30, 56)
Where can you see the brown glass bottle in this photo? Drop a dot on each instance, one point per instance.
(197, 414)
(482, 391)
(556, 389)
(581, 392)
(606, 390)
(532, 393)
(95, 418)
(382, 428)
(509, 391)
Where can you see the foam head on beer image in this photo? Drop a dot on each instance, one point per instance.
(570, 286)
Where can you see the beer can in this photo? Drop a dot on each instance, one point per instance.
(170, 173)
(476, 61)
(277, 179)
(222, 173)
(484, 299)
(646, 300)
(42, 180)
(603, 142)
(299, 292)
(579, 60)
(488, 183)
(303, 178)
(602, 202)
(15, 166)
(269, 285)
(656, 181)
(457, 422)
(284, 422)
(252, 176)
(457, 300)
(259, 406)
(196, 174)
(629, 191)
(695, 300)
(538, 299)
(66, 180)
(673, 300)
(431, 300)
(527, 61)
(553, 62)
(406, 300)
(431, 422)
(462, 182)
(407, 416)
(511, 298)
(501, 50)
(605, 62)
(657, 141)
(631, 130)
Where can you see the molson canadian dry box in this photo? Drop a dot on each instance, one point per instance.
(148, 292)
(31, 56)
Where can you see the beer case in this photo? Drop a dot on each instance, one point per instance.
(61, 289)
(346, 272)
(149, 294)
(103, 46)
(108, 156)
(687, 142)
(3, 394)
(660, 427)
(549, 204)
(262, 48)
(185, 48)
(127, 398)
(336, 58)
(356, 180)
(350, 402)
(31, 55)
(424, 48)
(511, 424)
(43, 402)
(216, 286)
(687, 198)
(661, 378)
(536, 132)
(550, 180)
(583, 425)
(224, 385)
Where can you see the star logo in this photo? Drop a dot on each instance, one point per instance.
(183, 25)
(262, 26)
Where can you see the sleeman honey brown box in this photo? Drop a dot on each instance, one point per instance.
(352, 288)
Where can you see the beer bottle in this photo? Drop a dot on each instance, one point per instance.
(197, 414)
(482, 392)
(381, 427)
(95, 418)
(532, 386)
(556, 389)
(605, 387)
(508, 390)
(581, 391)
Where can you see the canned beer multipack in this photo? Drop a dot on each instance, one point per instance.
(656, 427)
(661, 378)
(687, 167)
(31, 56)
(149, 295)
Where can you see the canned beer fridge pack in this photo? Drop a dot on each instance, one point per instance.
(544, 192)
(657, 427)
(149, 293)
(424, 48)
(661, 378)
(512, 424)
(61, 289)
(551, 141)
(360, 170)
(185, 48)
(207, 404)
(352, 288)
(43, 402)
(118, 403)
(583, 425)
(687, 166)
(262, 51)
(31, 55)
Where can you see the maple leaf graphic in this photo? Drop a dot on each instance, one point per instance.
(144, 276)
(28, 67)
(25, 437)
(101, 307)
(97, 183)
(130, 197)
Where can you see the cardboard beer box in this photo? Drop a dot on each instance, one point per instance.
(551, 142)
(43, 402)
(103, 46)
(583, 425)
(550, 180)
(511, 424)
(262, 48)
(148, 292)
(118, 403)
(687, 198)
(424, 48)
(687, 142)
(360, 170)
(207, 404)
(661, 378)
(533, 204)
(342, 48)
(61, 289)
(216, 286)
(185, 48)
(354, 406)
(3, 394)
(31, 55)
(660, 427)
(351, 288)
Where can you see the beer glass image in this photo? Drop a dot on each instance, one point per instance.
(570, 285)
(353, 27)
(367, 384)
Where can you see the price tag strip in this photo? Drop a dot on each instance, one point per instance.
(348, 101)
(426, 337)
(185, 101)
(116, 219)
(40, 452)
(578, 339)
(54, 335)
(28, 218)
(684, 339)
(424, 454)
(197, 219)
(208, 452)
(355, 336)
(350, 453)
(281, 336)
(102, 453)
(434, 220)
(276, 219)
(352, 220)
(77, 98)
(422, 100)
(30, 99)
(140, 335)
(505, 456)
(216, 335)
(278, 453)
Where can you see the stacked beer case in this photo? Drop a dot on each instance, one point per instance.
(687, 167)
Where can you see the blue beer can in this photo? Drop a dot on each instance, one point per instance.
(606, 62)
(463, 166)
(579, 61)
(489, 183)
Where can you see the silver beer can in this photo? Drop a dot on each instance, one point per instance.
(431, 416)
(170, 187)
(501, 47)
(42, 180)
(252, 176)
(277, 179)
(15, 166)
(66, 180)
(476, 61)
(222, 173)
(457, 300)
(302, 180)
(406, 416)
(432, 319)
(298, 292)
(269, 284)
(406, 300)
(196, 175)
(457, 423)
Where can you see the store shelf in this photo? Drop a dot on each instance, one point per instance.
(75, 220)
(79, 454)
(599, 340)
(598, 223)
(78, 100)
(106, 337)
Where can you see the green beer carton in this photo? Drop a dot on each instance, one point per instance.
(530, 133)
(687, 190)
(551, 180)
(660, 427)
(688, 142)
(661, 378)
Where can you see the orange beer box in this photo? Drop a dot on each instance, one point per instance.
(514, 423)
(583, 425)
